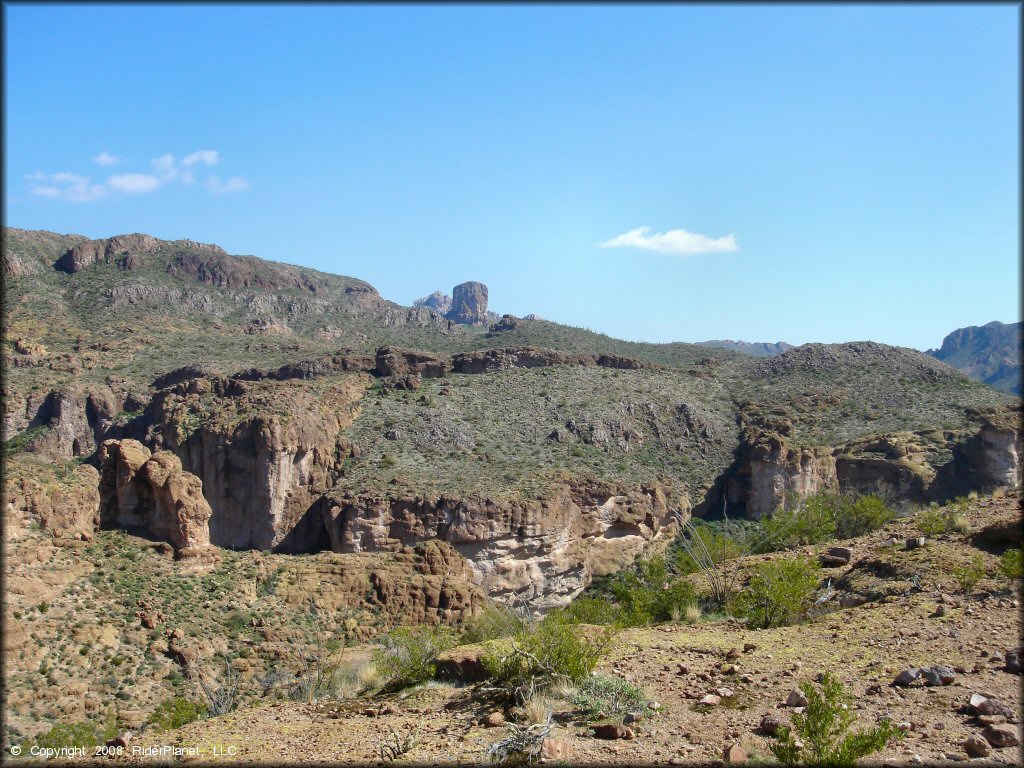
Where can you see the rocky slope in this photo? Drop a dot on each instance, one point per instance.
(990, 353)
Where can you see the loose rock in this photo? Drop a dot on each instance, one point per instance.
(976, 746)
(796, 698)
(1000, 736)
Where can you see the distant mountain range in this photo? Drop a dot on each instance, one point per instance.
(989, 353)
(755, 348)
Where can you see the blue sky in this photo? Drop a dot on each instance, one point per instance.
(669, 172)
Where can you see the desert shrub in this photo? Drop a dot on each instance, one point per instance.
(823, 734)
(857, 516)
(936, 520)
(174, 713)
(806, 521)
(648, 593)
(492, 622)
(594, 610)
(719, 544)
(1011, 564)
(407, 656)
(88, 734)
(779, 592)
(968, 576)
(544, 652)
(610, 695)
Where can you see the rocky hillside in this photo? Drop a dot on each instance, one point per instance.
(294, 411)
(990, 353)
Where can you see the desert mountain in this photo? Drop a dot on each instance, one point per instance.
(237, 402)
(293, 438)
(990, 353)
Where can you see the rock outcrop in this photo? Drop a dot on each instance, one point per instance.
(469, 304)
(152, 494)
(265, 451)
(64, 501)
(125, 248)
(437, 301)
(544, 551)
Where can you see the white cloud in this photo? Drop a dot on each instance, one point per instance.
(204, 156)
(65, 186)
(164, 166)
(677, 241)
(165, 169)
(134, 183)
(105, 158)
(217, 187)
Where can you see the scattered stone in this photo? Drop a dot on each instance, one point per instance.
(682, 669)
(938, 675)
(711, 700)
(976, 746)
(905, 726)
(370, 712)
(1001, 735)
(734, 753)
(770, 724)
(796, 698)
(610, 731)
(725, 693)
(390, 709)
(123, 740)
(907, 677)
(940, 610)
(749, 647)
(991, 719)
(984, 705)
(632, 717)
(729, 669)
(555, 750)
(916, 542)
(1013, 662)
(494, 719)
(732, 654)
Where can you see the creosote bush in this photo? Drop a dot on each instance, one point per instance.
(407, 656)
(968, 576)
(174, 713)
(647, 593)
(823, 516)
(611, 695)
(552, 650)
(1011, 564)
(779, 592)
(823, 734)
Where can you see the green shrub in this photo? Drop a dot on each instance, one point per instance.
(492, 622)
(544, 652)
(935, 520)
(968, 576)
(174, 713)
(823, 731)
(408, 656)
(1011, 564)
(779, 592)
(648, 594)
(88, 734)
(806, 521)
(823, 516)
(855, 517)
(612, 696)
(719, 546)
(594, 610)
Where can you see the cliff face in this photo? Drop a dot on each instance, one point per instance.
(544, 550)
(990, 353)
(265, 452)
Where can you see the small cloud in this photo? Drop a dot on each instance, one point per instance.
(204, 156)
(105, 158)
(65, 186)
(134, 183)
(165, 166)
(677, 241)
(235, 184)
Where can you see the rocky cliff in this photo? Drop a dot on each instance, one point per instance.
(990, 353)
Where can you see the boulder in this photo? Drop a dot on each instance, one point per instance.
(796, 698)
(1001, 735)
(976, 746)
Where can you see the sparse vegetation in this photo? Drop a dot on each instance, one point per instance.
(407, 656)
(612, 696)
(822, 734)
(174, 713)
(968, 576)
(1011, 563)
(779, 592)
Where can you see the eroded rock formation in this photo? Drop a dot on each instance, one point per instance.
(542, 550)
(469, 304)
(151, 493)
